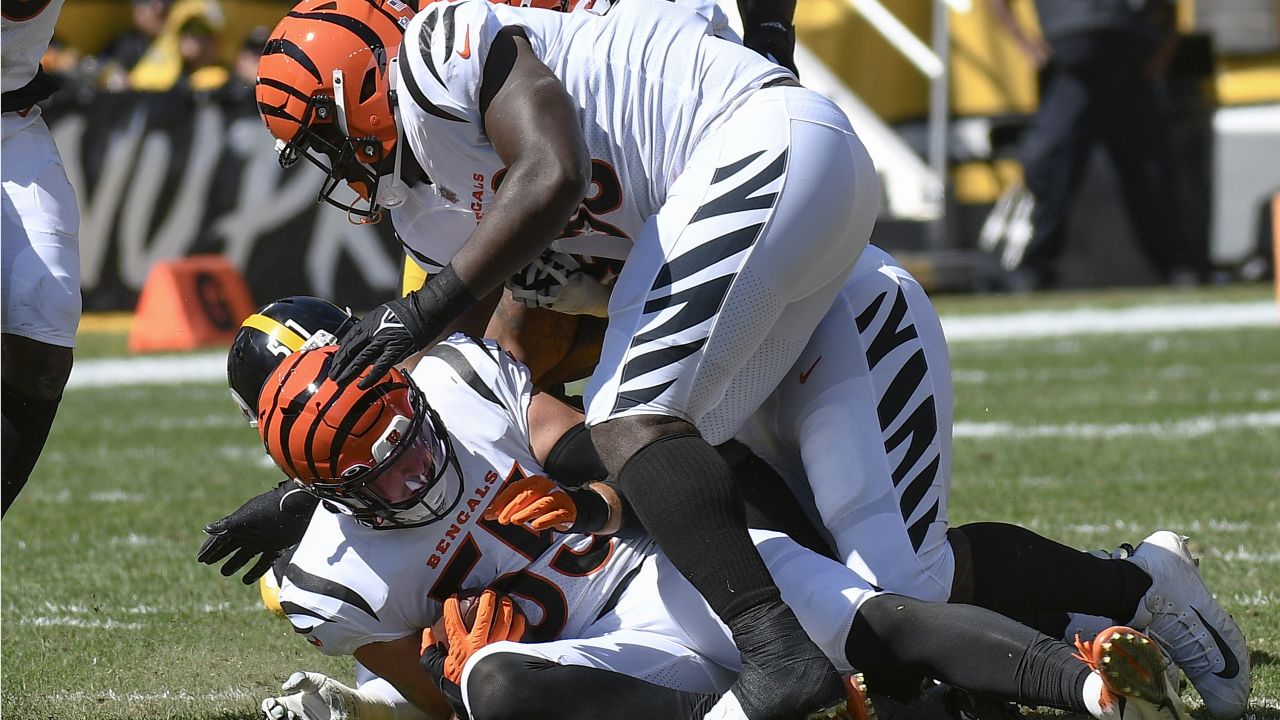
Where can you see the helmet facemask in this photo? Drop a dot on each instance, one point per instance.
(415, 480)
(326, 92)
(324, 139)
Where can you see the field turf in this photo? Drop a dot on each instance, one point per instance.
(1090, 439)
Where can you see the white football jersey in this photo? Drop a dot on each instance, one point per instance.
(27, 30)
(649, 77)
(348, 584)
(430, 228)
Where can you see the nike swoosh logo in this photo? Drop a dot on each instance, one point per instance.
(1231, 666)
(465, 52)
(804, 376)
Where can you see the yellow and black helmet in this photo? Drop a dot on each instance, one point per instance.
(271, 334)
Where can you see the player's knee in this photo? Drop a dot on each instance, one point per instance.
(36, 368)
(620, 438)
(501, 685)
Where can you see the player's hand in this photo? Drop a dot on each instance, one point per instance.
(534, 501)
(312, 696)
(388, 335)
(433, 657)
(396, 330)
(556, 281)
(496, 619)
(264, 527)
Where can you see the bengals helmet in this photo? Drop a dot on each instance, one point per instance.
(276, 330)
(381, 455)
(326, 93)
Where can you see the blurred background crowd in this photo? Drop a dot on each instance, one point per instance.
(1021, 147)
(169, 44)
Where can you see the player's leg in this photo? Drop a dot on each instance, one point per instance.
(865, 417)
(709, 313)
(875, 444)
(635, 661)
(897, 641)
(41, 287)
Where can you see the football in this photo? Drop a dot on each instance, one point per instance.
(468, 608)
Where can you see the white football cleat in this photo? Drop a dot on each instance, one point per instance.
(1134, 685)
(1182, 615)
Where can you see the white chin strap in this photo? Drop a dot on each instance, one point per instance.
(394, 193)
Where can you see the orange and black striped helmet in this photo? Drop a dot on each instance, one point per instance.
(381, 454)
(324, 91)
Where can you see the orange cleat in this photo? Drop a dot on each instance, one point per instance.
(1134, 683)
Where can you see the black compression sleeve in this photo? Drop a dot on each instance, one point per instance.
(897, 640)
(573, 461)
(1016, 570)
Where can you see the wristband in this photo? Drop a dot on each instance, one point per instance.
(592, 509)
(441, 300)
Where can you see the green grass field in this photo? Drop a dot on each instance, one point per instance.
(1090, 439)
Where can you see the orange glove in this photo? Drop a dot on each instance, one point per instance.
(534, 501)
(497, 618)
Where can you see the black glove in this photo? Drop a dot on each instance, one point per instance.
(774, 39)
(396, 330)
(266, 525)
(433, 657)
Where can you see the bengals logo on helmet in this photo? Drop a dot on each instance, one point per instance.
(319, 431)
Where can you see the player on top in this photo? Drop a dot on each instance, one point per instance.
(41, 249)
(743, 200)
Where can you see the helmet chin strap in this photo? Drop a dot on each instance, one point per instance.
(391, 194)
(396, 192)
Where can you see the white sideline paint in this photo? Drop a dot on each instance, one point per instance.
(1190, 428)
(229, 695)
(211, 367)
(1098, 321)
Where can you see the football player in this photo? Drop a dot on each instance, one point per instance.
(862, 427)
(745, 200)
(1008, 568)
(407, 471)
(40, 273)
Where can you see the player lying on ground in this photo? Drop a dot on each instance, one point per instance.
(405, 478)
(1032, 573)
(899, 613)
(741, 196)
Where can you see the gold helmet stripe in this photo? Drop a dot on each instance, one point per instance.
(275, 329)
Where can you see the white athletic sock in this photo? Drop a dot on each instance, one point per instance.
(1093, 696)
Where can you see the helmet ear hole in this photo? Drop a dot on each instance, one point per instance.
(369, 85)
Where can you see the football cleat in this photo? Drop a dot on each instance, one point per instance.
(1134, 685)
(1180, 612)
(855, 706)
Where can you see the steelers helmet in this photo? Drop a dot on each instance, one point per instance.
(275, 331)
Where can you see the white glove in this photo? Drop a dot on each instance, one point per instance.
(556, 281)
(312, 696)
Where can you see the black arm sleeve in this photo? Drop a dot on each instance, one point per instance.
(574, 462)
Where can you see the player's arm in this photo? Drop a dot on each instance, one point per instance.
(532, 124)
(398, 663)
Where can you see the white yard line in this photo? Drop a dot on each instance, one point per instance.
(1097, 321)
(211, 366)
